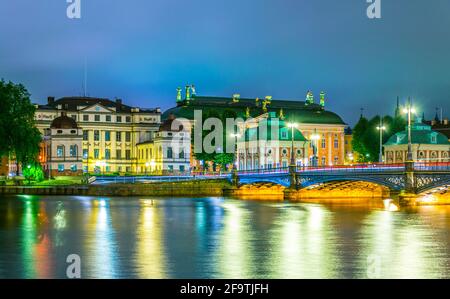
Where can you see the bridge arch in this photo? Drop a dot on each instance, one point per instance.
(391, 183)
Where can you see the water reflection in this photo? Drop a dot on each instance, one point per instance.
(219, 238)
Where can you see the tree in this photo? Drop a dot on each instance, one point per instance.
(19, 136)
(358, 144)
(33, 172)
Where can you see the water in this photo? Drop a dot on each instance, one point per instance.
(219, 238)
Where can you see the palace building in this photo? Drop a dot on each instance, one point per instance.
(312, 119)
(109, 132)
(169, 152)
(427, 144)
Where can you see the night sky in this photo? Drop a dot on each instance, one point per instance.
(141, 50)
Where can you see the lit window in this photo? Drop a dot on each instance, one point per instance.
(108, 117)
(97, 117)
(60, 167)
(73, 167)
(60, 151)
(74, 150)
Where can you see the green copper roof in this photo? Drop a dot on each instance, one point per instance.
(284, 133)
(420, 134)
(294, 111)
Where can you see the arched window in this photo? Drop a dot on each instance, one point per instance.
(60, 151)
(74, 150)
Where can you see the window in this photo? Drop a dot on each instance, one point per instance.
(323, 161)
(97, 117)
(74, 150)
(128, 119)
(182, 168)
(85, 135)
(107, 154)
(181, 154)
(73, 167)
(324, 143)
(107, 135)
(60, 151)
(60, 167)
(118, 154)
(284, 135)
(169, 153)
(96, 153)
(73, 131)
(170, 168)
(127, 136)
(59, 131)
(119, 119)
(336, 143)
(118, 136)
(108, 168)
(85, 117)
(127, 154)
(108, 118)
(433, 139)
(336, 160)
(85, 153)
(96, 135)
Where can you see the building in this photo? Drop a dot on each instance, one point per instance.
(111, 130)
(312, 118)
(427, 144)
(350, 156)
(62, 147)
(169, 152)
(267, 143)
(4, 166)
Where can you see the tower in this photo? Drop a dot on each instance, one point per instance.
(188, 92)
(309, 98)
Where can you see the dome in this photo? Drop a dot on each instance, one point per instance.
(64, 122)
(167, 125)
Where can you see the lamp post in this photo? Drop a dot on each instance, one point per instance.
(292, 126)
(409, 110)
(234, 176)
(315, 137)
(381, 128)
(235, 136)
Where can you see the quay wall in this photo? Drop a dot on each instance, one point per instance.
(189, 188)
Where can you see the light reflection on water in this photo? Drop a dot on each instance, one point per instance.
(219, 238)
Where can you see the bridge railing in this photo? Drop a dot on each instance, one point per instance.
(372, 167)
(264, 171)
(432, 166)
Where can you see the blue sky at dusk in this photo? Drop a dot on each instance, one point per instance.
(142, 50)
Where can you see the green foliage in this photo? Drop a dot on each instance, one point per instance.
(19, 136)
(366, 138)
(223, 159)
(33, 172)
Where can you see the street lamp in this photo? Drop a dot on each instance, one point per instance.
(381, 128)
(409, 110)
(292, 126)
(314, 137)
(235, 136)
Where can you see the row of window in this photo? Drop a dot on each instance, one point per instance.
(107, 154)
(148, 153)
(61, 151)
(73, 168)
(97, 134)
(107, 118)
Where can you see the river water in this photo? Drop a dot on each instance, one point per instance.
(219, 238)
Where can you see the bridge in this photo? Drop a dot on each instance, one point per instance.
(411, 177)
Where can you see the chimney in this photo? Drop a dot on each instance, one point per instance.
(50, 100)
(118, 104)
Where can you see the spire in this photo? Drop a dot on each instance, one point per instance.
(362, 113)
(397, 109)
(309, 98)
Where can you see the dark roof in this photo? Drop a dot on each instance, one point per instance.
(71, 104)
(167, 125)
(64, 122)
(295, 111)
